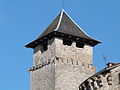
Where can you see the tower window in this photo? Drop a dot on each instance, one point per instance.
(45, 46)
(67, 42)
(80, 44)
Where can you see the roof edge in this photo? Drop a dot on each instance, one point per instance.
(60, 19)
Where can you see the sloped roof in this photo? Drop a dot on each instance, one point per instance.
(64, 24)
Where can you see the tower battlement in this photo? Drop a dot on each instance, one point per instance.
(57, 47)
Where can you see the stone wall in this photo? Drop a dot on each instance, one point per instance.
(41, 56)
(105, 80)
(115, 74)
(61, 67)
(57, 49)
(82, 55)
(43, 78)
(69, 75)
(59, 74)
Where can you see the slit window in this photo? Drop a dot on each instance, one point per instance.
(67, 42)
(80, 44)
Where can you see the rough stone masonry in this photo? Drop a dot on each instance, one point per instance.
(66, 66)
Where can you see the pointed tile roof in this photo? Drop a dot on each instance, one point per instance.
(65, 25)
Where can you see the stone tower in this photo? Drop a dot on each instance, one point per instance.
(62, 56)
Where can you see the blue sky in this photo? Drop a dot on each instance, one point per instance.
(22, 21)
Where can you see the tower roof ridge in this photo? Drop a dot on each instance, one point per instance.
(61, 16)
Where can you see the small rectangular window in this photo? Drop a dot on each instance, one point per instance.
(45, 46)
(67, 42)
(80, 44)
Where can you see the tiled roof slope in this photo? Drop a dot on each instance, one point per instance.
(64, 24)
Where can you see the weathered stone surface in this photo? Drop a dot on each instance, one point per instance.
(106, 80)
(43, 78)
(41, 56)
(69, 66)
(57, 49)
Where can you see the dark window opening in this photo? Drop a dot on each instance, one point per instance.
(80, 44)
(67, 42)
(45, 46)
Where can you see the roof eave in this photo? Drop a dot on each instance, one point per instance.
(38, 41)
